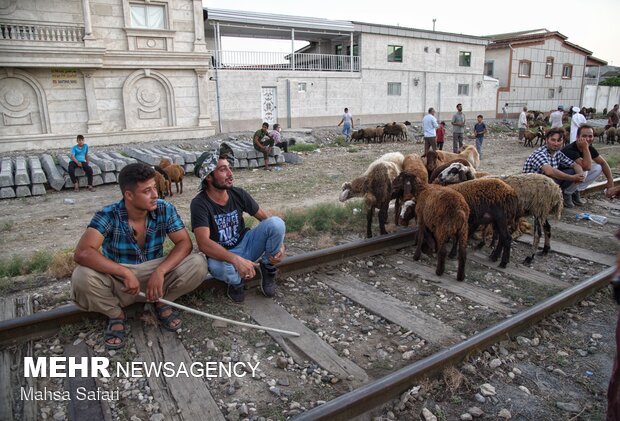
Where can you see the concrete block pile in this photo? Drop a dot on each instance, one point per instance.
(247, 157)
(29, 176)
(154, 155)
(21, 177)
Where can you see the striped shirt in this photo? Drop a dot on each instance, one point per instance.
(119, 243)
(541, 156)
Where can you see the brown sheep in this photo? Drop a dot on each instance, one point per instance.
(433, 177)
(436, 219)
(491, 201)
(611, 135)
(175, 172)
(161, 185)
(167, 180)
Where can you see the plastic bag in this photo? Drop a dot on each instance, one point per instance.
(599, 219)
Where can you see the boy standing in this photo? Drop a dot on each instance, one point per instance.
(479, 130)
(441, 133)
(80, 159)
(347, 123)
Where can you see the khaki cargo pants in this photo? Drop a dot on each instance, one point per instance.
(102, 293)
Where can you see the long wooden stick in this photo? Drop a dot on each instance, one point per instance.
(223, 319)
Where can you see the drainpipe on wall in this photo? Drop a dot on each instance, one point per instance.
(598, 78)
(288, 103)
(216, 34)
(583, 81)
(438, 99)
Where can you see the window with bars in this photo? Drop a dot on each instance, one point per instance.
(393, 88)
(567, 71)
(463, 89)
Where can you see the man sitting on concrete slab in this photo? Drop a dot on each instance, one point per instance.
(131, 234)
(221, 234)
(263, 143)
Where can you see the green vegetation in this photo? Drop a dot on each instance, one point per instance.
(39, 262)
(613, 161)
(327, 217)
(7, 226)
(340, 141)
(612, 81)
(303, 147)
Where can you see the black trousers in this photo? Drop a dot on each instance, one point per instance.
(87, 169)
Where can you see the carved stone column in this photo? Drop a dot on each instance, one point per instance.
(200, 44)
(94, 123)
(203, 98)
(89, 38)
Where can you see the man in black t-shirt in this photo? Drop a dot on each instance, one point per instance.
(583, 153)
(221, 234)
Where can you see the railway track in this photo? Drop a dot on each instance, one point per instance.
(373, 323)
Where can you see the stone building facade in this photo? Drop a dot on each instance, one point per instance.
(114, 70)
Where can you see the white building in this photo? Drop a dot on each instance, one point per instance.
(114, 70)
(381, 73)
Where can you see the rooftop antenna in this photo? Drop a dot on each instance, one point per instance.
(434, 24)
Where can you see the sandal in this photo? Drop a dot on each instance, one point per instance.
(91, 188)
(109, 333)
(166, 321)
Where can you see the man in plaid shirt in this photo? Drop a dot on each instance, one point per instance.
(131, 236)
(549, 160)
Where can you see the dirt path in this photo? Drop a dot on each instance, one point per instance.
(47, 223)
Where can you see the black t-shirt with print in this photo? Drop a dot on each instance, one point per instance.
(225, 223)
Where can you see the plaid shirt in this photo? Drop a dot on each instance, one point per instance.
(541, 156)
(119, 244)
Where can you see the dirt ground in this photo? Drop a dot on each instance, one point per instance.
(47, 223)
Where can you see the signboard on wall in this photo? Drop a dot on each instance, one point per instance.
(64, 78)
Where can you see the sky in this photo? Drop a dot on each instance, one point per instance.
(593, 25)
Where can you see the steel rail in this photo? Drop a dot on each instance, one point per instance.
(46, 322)
(371, 395)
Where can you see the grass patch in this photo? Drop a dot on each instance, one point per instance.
(303, 147)
(37, 263)
(613, 161)
(7, 226)
(62, 265)
(324, 218)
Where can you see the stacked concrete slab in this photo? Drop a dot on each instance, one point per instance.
(37, 176)
(247, 157)
(22, 179)
(55, 178)
(154, 155)
(7, 191)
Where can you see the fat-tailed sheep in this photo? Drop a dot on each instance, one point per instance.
(175, 172)
(375, 186)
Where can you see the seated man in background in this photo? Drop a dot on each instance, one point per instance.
(263, 143)
(276, 136)
(584, 154)
(131, 234)
(548, 159)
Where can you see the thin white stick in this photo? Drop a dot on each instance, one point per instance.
(234, 322)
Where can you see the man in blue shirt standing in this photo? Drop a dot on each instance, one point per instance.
(131, 236)
(429, 125)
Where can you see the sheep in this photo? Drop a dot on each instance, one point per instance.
(611, 135)
(435, 158)
(432, 178)
(600, 133)
(435, 219)
(491, 201)
(371, 134)
(167, 186)
(357, 135)
(162, 186)
(413, 167)
(375, 186)
(539, 196)
(394, 130)
(175, 172)
(532, 137)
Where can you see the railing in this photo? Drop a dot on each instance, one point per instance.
(590, 80)
(29, 32)
(254, 60)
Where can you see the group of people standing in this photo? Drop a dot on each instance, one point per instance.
(434, 133)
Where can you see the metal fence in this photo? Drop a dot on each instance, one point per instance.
(254, 60)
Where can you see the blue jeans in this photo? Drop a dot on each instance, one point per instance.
(263, 240)
(346, 130)
(479, 141)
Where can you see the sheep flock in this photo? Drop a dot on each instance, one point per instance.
(450, 199)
